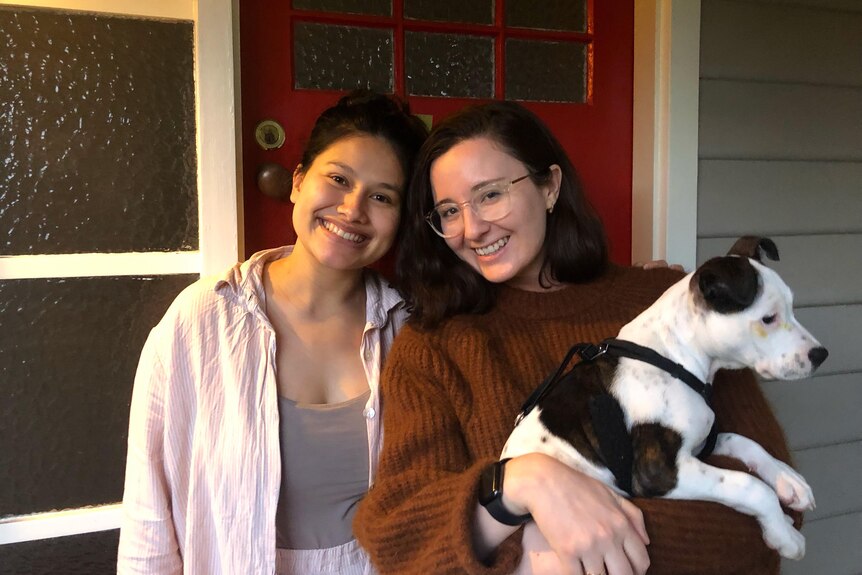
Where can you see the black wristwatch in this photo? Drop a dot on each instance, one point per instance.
(491, 495)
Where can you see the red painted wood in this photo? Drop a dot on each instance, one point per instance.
(597, 135)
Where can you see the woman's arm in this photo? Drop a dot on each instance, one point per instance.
(148, 543)
(417, 517)
(422, 515)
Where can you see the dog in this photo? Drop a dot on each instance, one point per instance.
(637, 415)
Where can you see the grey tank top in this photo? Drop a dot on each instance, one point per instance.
(324, 472)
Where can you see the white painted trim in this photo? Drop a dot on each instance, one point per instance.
(219, 133)
(173, 9)
(99, 265)
(60, 523)
(220, 204)
(665, 131)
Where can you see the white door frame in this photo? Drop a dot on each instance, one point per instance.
(219, 202)
(665, 131)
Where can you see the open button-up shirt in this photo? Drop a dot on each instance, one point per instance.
(203, 467)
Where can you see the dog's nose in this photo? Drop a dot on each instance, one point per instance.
(818, 355)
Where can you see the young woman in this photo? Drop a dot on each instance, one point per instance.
(255, 422)
(506, 265)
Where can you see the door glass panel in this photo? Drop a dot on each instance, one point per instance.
(449, 65)
(330, 57)
(68, 353)
(568, 15)
(99, 151)
(83, 554)
(475, 12)
(545, 71)
(375, 7)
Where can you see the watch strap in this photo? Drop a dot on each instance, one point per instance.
(491, 495)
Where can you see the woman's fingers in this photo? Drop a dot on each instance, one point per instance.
(636, 517)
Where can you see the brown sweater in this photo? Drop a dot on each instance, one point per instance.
(450, 397)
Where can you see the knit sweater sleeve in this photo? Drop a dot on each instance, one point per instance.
(417, 518)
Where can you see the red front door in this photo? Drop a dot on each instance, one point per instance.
(284, 50)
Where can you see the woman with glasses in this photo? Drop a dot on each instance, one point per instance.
(506, 266)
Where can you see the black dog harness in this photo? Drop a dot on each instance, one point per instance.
(605, 411)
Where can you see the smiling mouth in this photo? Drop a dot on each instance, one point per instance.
(329, 226)
(493, 248)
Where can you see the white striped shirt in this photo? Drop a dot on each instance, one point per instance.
(203, 467)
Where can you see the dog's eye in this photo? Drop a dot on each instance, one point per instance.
(768, 319)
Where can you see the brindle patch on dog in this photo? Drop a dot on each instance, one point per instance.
(654, 472)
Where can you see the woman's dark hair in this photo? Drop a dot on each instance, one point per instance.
(437, 283)
(363, 112)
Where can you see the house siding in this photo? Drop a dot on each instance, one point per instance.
(780, 154)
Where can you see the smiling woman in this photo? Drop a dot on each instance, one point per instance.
(255, 419)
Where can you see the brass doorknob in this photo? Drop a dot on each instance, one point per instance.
(274, 181)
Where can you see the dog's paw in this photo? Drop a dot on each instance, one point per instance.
(782, 537)
(792, 489)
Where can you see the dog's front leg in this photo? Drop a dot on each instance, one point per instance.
(745, 493)
(791, 487)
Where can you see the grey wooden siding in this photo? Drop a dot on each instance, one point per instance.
(780, 154)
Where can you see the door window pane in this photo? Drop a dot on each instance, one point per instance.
(99, 151)
(375, 7)
(474, 12)
(330, 57)
(546, 71)
(68, 353)
(453, 65)
(568, 15)
(84, 554)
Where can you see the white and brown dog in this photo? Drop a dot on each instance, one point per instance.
(638, 416)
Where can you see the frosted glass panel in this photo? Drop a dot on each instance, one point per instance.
(376, 7)
(329, 57)
(475, 12)
(68, 353)
(453, 65)
(85, 554)
(569, 15)
(97, 134)
(546, 71)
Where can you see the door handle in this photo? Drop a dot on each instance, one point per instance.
(274, 181)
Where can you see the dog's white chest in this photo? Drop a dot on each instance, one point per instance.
(650, 395)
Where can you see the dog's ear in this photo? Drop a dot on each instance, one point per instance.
(726, 284)
(754, 247)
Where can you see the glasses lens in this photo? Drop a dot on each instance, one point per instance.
(492, 203)
(445, 219)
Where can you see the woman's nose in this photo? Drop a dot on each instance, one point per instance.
(474, 226)
(352, 205)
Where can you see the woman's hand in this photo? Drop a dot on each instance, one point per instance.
(582, 526)
(655, 264)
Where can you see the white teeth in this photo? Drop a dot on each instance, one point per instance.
(341, 233)
(488, 250)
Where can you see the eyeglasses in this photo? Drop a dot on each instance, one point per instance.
(491, 203)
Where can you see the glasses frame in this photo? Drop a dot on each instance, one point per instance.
(505, 188)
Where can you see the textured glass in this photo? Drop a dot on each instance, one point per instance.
(375, 7)
(85, 554)
(328, 57)
(475, 12)
(97, 134)
(68, 353)
(569, 15)
(546, 71)
(452, 65)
